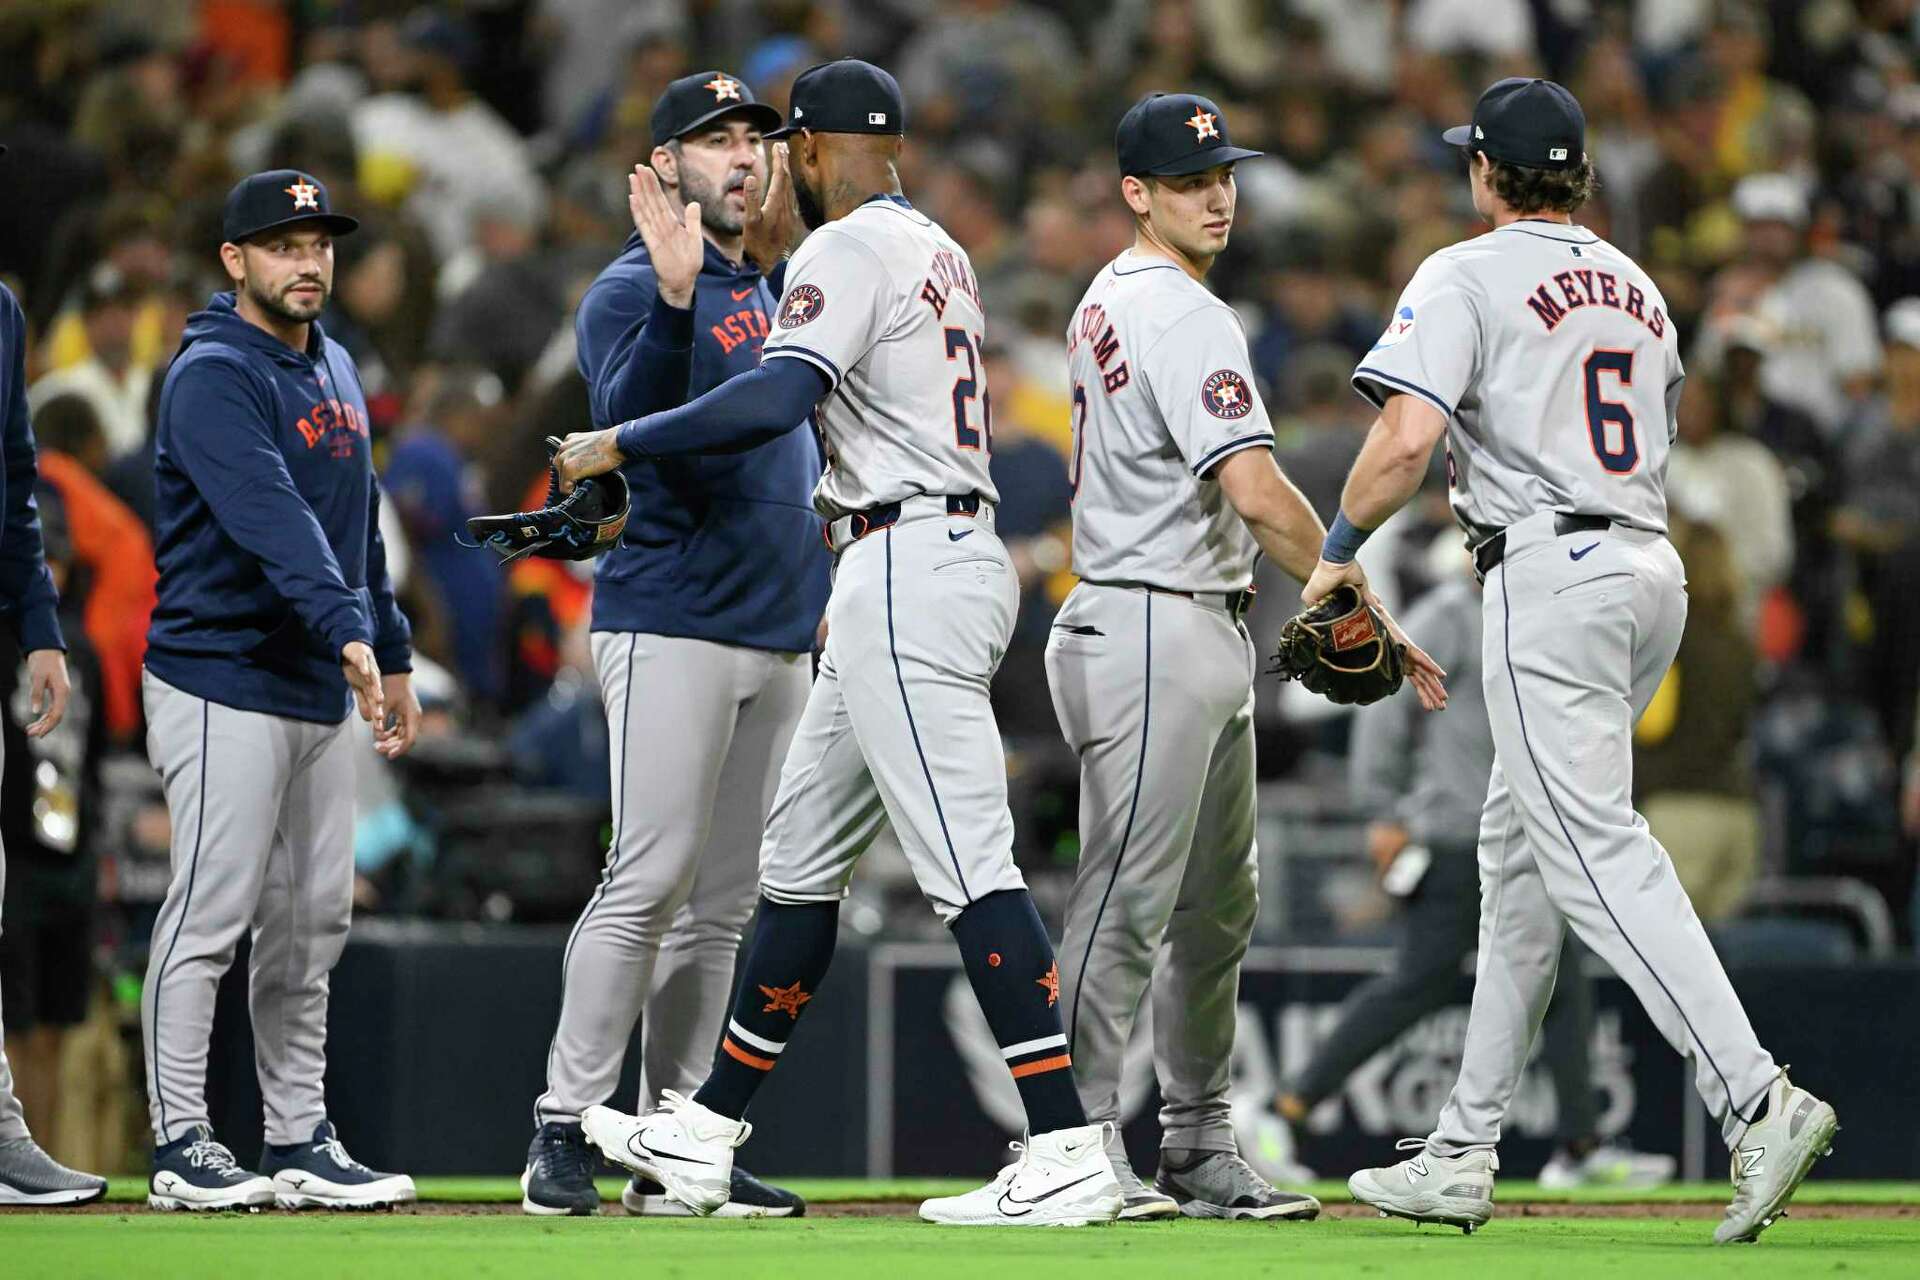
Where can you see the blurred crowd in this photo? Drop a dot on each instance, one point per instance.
(1762, 160)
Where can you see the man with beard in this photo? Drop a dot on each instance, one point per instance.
(703, 620)
(275, 619)
(880, 326)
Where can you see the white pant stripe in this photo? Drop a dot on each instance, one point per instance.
(747, 1037)
(1013, 1051)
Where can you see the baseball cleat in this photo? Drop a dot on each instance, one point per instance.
(1061, 1179)
(1138, 1201)
(558, 1180)
(319, 1174)
(1607, 1166)
(1454, 1190)
(1774, 1157)
(194, 1172)
(29, 1175)
(683, 1146)
(1219, 1184)
(747, 1197)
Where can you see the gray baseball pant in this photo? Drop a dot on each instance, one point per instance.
(263, 810)
(1578, 638)
(13, 1121)
(1154, 692)
(698, 732)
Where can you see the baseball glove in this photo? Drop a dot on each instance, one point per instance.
(1341, 650)
(574, 526)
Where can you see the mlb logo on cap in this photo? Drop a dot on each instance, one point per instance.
(1533, 123)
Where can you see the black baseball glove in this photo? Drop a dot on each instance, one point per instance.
(574, 526)
(1341, 650)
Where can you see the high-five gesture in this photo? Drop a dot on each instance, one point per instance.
(771, 215)
(672, 235)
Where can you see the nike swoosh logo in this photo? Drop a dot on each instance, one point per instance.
(1007, 1197)
(955, 537)
(743, 294)
(1581, 554)
(645, 1152)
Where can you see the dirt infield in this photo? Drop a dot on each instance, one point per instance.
(1338, 1210)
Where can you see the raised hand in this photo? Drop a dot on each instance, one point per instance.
(768, 232)
(672, 235)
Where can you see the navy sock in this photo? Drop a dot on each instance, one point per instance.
(792, 946)
(1010, 964)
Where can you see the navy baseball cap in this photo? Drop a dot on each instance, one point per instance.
(694, 100)
(848, 96)
(278, 198)
(1536, 124)
(1167, 134)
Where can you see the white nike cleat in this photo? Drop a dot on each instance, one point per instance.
(1773, 1158)
(1622, 1168)
(1454, 1190)
(1061, 1179)
(683, 1146)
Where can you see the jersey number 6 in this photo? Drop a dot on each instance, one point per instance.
(1603, 413)
(965, 389)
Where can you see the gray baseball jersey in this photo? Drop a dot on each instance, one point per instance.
(1553, 357)
(1162, 394)
(885, 304)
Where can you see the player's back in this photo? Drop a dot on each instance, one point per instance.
(886, 305)
(1555, 358)
(1160, 397)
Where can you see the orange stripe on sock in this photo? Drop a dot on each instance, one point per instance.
(738, 1054)
(1034, 1068)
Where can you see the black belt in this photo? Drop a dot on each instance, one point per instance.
(1494, 549)
(874, 519)
(1237, 602)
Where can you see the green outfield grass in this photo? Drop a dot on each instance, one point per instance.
(135, 1244)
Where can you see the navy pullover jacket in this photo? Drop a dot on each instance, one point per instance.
(723, 547)
(27, 598)
(268, 535)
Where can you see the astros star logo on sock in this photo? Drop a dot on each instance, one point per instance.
(785, 1000)
(1052, 983)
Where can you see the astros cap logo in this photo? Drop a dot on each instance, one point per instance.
(1201, 122)
(724, 87)
(305, 195)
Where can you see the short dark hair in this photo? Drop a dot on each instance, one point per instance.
(1527, 190)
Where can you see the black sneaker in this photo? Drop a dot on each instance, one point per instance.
(1219, 1184)
(29, 1175)
(319, 1174)
(558, 1181)
(747, 1198)
(195, 1172)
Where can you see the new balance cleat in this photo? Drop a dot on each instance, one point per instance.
(1060, 1179)
(195, 1172)
(1454, 1190)
(558, 1180)
(683, 1146)
(319, 1174)
(1774, 1157)
(1219, 1184)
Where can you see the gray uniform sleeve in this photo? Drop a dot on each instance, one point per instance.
(837, 301)
(1201, 379)
(1431, 347)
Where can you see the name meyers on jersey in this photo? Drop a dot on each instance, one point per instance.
(1093, 321)
(950, 272)
(1583, 287)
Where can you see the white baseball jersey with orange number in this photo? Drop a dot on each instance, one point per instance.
(884, 303)
(1558, 368)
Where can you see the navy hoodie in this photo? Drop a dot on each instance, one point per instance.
(724, 547)
(267, 523)
(27, 598)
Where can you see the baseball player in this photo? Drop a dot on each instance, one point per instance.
(275, 620)
(28, 1175)
(1549, 360)
(881, 327)
(703, 623)
(1176, 493)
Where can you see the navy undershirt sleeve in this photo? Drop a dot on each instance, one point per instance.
(741, 413)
